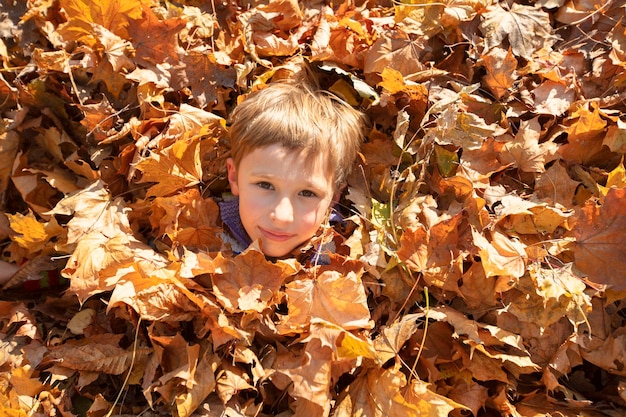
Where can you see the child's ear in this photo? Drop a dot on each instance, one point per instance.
(232, 176)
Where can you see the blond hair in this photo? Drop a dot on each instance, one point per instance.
(299, 118)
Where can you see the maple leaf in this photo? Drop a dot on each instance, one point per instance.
(585, 134)
(600, 251)
(345, 345)
(99, 119)
(615, 138)
(464, 129)
(113, 15)
(432, 252)
(9, 142)
(555, 186)
(616, 178)
(339, 41)
(103, 355)
(376, 393)
(116, 50)
(155, 296)
(396, 50)
(8, 94)
(97, 259)
(17, 314)
(515, 25)
(155, 41)
(32, 234)
(525, 152)
(552, 294)
(187, 219)
(206, 76)
(174, 168)
(249, 282)
(502, 256)
(500, 65)
(187, 372)
(307, 374)
(94, 216)
(331, 296)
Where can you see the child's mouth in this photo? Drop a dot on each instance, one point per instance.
(275, 236)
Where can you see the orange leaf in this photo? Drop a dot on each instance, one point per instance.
(501, 66)
(555, 186)
(601, 242)
(307, 374)
(111, 14)
(187, 219)
(503, 256)
(376, 393)
(332, 296)
(174, 168)
(434, 253)
(251, 282)
(155, 40)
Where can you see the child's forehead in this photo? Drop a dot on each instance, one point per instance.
(295, 155)
(297, 159)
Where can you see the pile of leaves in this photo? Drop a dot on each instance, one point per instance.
(481, 267)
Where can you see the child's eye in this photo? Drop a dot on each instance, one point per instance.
(308, 193)
(264, 185)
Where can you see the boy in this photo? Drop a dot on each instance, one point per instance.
(292, 151)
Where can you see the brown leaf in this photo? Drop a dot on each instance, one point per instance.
(188, 220)
(331, 296)
(376, 393)
(525, 152)
(503, 256)
(308, 377)
(97, 263)
(249, 282)
(500, 65)
(155, 40)
(584, 135)
(432, 252)
(101, 355)
(555, 186)
(398, 51)
(8, 94)
(553, 98)
(206, 77)
(600, 240)
(527, 28)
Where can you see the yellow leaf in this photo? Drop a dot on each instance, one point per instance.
(113, 15)
(174, 168)
(616, 178)
(428, 402)
(32, 234)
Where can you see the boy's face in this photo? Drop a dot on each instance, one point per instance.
(283, 196)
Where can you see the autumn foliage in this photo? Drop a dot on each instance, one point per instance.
(481, 267)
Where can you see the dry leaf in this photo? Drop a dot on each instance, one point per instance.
(600, 246)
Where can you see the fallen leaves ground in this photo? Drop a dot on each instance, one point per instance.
(481, 268)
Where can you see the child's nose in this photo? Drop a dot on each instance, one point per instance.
(283, 212)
